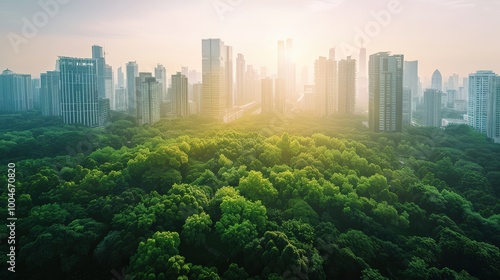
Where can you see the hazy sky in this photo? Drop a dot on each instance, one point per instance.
(454, 36)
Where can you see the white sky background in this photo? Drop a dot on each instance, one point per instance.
(454, 36)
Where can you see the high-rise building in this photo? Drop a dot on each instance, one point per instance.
(132, 70)
(286, 68)
(148, 99)
(197, 92)
(110, 86)
(120, 78)
(16, 92)
(347, 86)
(411, 81)
(267, 99)
(240, 80)
(79, 97)
(36, 85)
(50, 101)
(407, 106)
(437, 81)
(229, 78)
(325, 80)
(280, 95)
(161, 77)
(432, 107)
(386, 92)
(252, 87)
(98, 55)
(215, 74)
(482, 101)
(362, 84)
(494, 116)
(180, 95)
(121, 99)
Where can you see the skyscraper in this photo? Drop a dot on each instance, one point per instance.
(148, 99)
(386, 92)
(197, 92)
(36, 85)
(229, 78)
(494, 119)
(110, 86)
(98, 55)
(437, 81)
(161, 77)
(362, 88)
(267, 99)
(50, 101)
(286, 68)
(180, 95)
(79, 97)
(240, 80)
(325, 80)
(407, 106)
(132, 72)
(16, 92)
(347, 86)
(432, 107)
(120, 77)
(411, 80)
(215, 75)
(482, 101)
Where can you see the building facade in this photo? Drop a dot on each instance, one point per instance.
(386, 92)
(79, 91)
(50, 95)
(16, 92)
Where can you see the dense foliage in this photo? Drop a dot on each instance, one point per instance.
(267, 197)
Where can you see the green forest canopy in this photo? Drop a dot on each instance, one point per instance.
(267, 197)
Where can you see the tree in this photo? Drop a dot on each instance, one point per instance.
(195, 229)
(152, 256)
(256, 187)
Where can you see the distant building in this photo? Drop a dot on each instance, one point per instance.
(79, 97)
(386, 92)
(347, 86)
(447, 122)
(216, 72)
(121, 99)
(326, 86)
(287, 68)
(482, 98)
(50, 100)
(362, 87)
(161, 77)
(432, 107)
(110, 87)
(16, 92)
(411, 81)
(494, 117)
(437, 81)
(197, 92)
(407, 106)
(148, 99)
(36, 85)
(267, 99)
(180, 95)
(132, 70)
(104, 109)
(98, 55)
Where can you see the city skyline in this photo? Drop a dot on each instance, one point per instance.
(129, 31)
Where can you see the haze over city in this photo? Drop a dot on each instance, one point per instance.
(447, 35)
